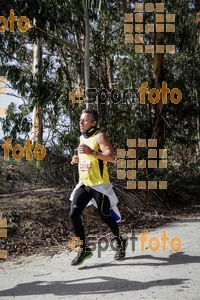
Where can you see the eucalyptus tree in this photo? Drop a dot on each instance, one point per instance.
(83, 44)
(39, 80)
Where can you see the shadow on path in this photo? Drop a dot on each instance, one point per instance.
(178, 258)
(93, 285)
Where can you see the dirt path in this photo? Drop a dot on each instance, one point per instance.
(142, 275)
(41, 217)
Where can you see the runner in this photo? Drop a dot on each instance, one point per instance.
(94, 187)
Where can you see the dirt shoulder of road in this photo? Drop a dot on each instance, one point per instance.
(38, 220)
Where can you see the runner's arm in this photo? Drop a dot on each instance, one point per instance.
(107, 152)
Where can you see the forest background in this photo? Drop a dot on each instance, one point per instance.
(81, 44)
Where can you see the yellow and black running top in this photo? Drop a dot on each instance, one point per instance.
(92, 171)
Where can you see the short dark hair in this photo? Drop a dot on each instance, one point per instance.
(93, 112)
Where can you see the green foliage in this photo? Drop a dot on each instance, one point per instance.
(16, 122)
(61, 27)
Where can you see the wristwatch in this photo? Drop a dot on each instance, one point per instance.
(94, 153)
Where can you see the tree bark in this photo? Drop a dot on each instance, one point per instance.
(37, 130)
(157, 79)
(197, 15)
(86, 52)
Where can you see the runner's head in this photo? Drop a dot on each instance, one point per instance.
(88, 119)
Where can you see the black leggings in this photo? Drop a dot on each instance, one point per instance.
(81, 198)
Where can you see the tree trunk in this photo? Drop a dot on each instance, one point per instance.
(105, 79)
(103, 94)
(37, 129)
(197, 15)
(86, 52)
(124, 6)
(160, 108)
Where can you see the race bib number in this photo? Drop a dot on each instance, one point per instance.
(85, 165)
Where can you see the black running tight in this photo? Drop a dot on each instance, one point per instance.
(81, 198)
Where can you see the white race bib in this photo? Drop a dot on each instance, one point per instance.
(85, 165)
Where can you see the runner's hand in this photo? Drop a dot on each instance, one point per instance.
(84, 149)
(75, 159)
